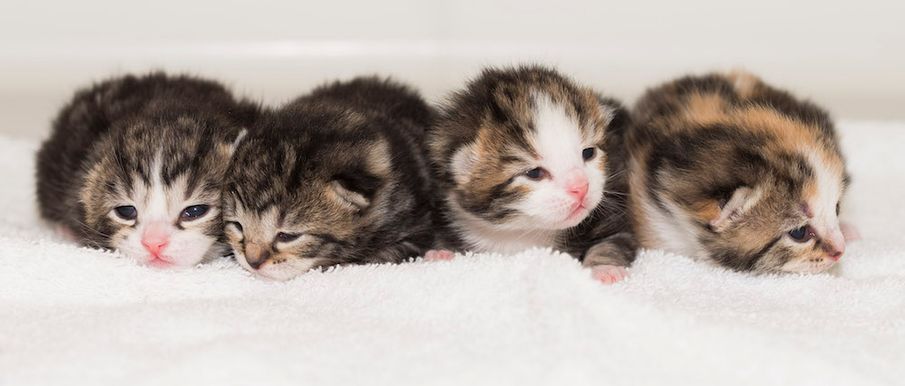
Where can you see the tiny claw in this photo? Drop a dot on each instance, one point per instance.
(439, 255)
(609, 274)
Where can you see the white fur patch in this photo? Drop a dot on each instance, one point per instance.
(823, 206)
(673, 232)
(160, 206)
(481, 236)
(559, 143)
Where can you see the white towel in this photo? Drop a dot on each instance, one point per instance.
(70, 315)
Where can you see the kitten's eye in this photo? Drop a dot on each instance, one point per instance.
(588, 153)
(283, 237)
(193, 212)
(536, 173)
(802, 234)
(126, 212)
(837, 209)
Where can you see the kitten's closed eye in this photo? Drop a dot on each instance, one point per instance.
(284, 237)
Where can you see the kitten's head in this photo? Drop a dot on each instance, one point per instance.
(522, 149)
(152, 190)
(764, 195)
(308, 190)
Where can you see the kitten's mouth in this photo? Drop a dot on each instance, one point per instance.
(577, 212)
(159, 262)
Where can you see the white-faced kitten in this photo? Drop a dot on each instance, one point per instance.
(527, 158)
(136, 164)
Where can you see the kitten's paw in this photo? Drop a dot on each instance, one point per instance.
(439, 255)
(849, 231)
(609, 274)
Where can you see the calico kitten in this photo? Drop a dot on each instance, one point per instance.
(527, 158)
(136, 164)
(731, 170)
(335, 177)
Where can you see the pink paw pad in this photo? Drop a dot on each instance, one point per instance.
(609, 274)
(439, 255)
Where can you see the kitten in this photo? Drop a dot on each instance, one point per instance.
(335, 177)
(731, 170)
(527, 158)
(135, 164)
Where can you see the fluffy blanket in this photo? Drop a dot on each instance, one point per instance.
(70, 315)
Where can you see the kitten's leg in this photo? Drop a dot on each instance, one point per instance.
(398, 253)
(439, 255)
(609, 259)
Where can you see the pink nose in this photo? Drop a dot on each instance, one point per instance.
(834, 251)
(834, 244)
(155, 240)
(577, 184)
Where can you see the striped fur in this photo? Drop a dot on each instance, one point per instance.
(156, 142)
(335, 177)
(726, 168)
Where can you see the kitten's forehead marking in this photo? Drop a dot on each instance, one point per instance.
(825, 189)
(162, 201)
(156, 201)
(259, 226)
(557, 137)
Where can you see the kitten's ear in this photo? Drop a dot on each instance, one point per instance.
(463, 162)
(615, 116)
(741, 200)
(356, 189)
(237, 141)
(230, 148)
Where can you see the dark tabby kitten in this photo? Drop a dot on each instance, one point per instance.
(335, 177)
(136, 164)
(528, 158)
(731, 170)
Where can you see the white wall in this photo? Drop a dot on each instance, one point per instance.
(846, 56)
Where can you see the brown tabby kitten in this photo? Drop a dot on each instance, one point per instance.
(136, 164)
(528, 158)
(731, 170)
(335, 177)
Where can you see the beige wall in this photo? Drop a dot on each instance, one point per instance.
(848, 56)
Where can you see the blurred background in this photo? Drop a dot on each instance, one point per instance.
(848, 56)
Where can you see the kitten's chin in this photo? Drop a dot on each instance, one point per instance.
(572, 219)
(189, 256)
(166, 262)
(807, 267)
(280, 272)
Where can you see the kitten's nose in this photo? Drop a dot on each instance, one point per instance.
(255, 255)
(577, 184)
(834, 251)
(834, 244)
(155, 239)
